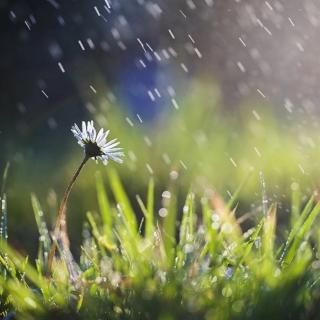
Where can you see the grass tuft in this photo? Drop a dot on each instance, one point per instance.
(191, 262)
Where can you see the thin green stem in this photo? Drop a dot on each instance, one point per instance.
(60, 225)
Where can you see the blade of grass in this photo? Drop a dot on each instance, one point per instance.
(169, 228)
(295, 203)
(104, 207)
(227, 218)
(4, 179)
(19, 262)
(268, 236)
(301, 234)
(211, 233)
(247, 247)
(128, 240)
(296, 227)
(186, 227)
(235, 195)
(44, 238)
(3, 228)
(101, 240)
(25, 299)
(186, 235)
(150, 209)
(123, 201)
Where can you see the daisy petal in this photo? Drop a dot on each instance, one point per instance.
(95, 143)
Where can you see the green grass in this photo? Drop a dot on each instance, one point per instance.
(200, 143)
(217, 249)
(202, 260)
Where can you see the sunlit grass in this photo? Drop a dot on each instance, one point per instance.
(202, 260)
(214, 217)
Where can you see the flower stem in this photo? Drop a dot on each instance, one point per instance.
(60, 225)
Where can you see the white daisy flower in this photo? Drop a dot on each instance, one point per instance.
(95, 144)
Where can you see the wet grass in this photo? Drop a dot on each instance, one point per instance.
(173, 246)
(201, 260)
